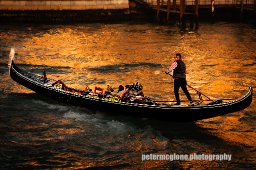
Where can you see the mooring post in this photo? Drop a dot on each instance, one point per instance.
(194, 16)
(242, 9)
(212, 10)
(196, 12)
(182, 10)
(174, 4)
(158, 9)
(168, 10)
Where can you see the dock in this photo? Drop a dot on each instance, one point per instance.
(191, 8)
(93, 10)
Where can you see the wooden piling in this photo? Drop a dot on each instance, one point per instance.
(242, 7)
(196, 9)
(182, 7)
(174, 4)
(212, 10)
(162, 2)
(182, 11)
(242, 10)
(196, 15)
(158, 9)
(168, 10)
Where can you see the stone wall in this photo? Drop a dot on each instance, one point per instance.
(63, 4)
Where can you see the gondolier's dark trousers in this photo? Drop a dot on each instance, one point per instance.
(181, 82)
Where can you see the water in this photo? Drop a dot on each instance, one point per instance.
(40, 133)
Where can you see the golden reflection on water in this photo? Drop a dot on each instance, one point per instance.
(220, 63)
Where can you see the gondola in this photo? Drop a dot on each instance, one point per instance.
(49, 87)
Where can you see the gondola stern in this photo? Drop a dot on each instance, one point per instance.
(250, 95)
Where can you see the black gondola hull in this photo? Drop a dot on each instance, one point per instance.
(161, 112)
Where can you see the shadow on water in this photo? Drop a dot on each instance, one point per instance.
(122, 67)
(37, 69)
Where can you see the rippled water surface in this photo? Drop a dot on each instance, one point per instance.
(40, 133)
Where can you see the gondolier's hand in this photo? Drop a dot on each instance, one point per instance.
(167, 71)
(170, 73)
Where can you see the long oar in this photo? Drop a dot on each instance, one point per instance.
(194, 89)
(199, 92)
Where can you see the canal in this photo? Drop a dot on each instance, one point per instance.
(37, 133)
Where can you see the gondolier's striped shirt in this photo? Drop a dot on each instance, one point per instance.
(173, 66)
(178, 68)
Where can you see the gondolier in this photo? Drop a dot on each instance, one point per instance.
(178, 71)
